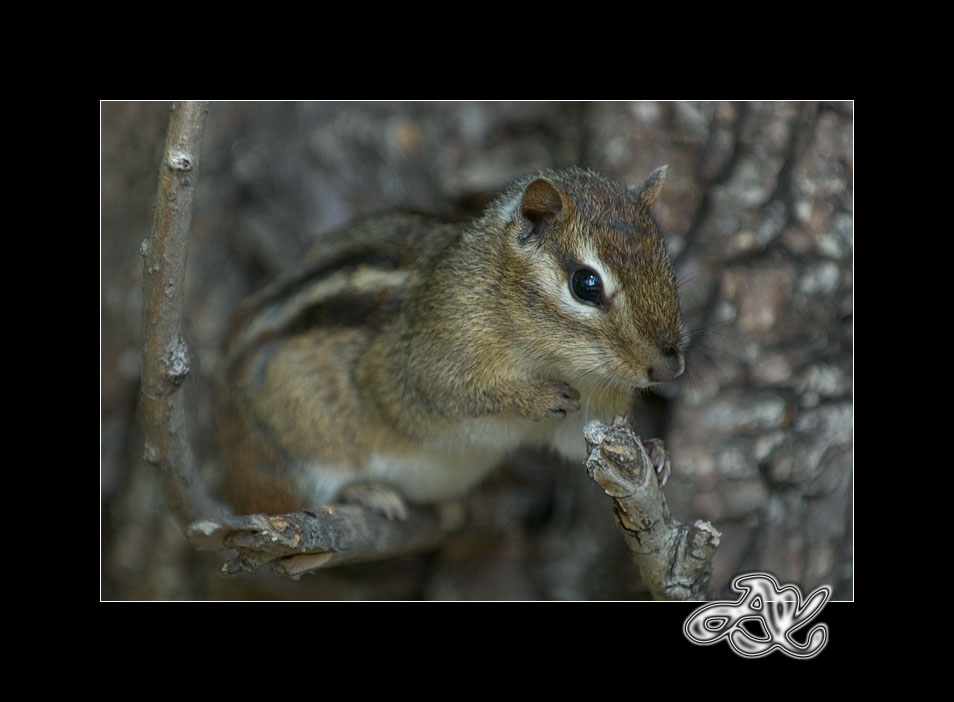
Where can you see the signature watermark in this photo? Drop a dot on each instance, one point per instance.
(777, 611)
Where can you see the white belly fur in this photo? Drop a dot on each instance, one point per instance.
(449, 467)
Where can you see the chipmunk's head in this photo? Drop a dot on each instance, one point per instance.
(595, 277)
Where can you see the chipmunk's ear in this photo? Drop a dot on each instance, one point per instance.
(541, 204)
(649, 192)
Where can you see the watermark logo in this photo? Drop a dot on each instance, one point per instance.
(777, 611)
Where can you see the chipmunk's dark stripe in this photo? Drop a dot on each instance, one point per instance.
(348, 260)
(280, 290)
(627, 227)
(344, 311)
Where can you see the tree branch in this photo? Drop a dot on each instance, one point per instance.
(674, 559)
(166, 361)
(304, 541)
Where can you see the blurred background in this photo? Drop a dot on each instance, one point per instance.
(758, 213)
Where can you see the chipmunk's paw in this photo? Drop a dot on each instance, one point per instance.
(563, 399)
(659, 457)
(378, 498)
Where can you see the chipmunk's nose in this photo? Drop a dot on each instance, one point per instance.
(669, 366)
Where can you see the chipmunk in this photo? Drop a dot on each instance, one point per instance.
(411, 356)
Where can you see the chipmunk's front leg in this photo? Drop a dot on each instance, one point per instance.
(541, 399)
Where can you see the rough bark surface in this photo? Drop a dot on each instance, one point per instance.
(758, 208)
(674, 559)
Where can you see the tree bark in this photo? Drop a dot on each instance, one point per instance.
(674, 559)
(297, 543)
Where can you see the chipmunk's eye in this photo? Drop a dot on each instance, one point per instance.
(587, 287)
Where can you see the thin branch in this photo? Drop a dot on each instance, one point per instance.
(166, 359)
(674, 559)
(304, 541)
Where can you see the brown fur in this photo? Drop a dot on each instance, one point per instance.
(424, 332)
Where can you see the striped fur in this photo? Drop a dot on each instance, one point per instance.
(417, 354)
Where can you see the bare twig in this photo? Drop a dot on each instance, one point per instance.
(304, 541)
(165, 356)
(674, 559)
